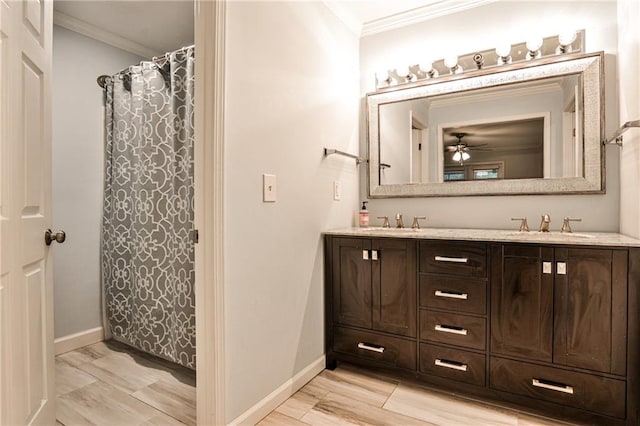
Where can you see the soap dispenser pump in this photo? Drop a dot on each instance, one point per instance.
(363, 220)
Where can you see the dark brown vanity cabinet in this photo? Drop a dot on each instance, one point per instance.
(373, 289)
(554, 328)
(560, 305)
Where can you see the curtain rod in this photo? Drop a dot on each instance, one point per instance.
(103, 79)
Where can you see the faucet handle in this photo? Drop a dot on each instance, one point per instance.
(416, 224)
(385, 223)
(565, 223)
(524, 226)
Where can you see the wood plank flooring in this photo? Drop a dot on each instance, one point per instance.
(109, 383)
(353, 396)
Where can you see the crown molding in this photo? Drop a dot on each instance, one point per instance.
(86, 29)
(420, 14)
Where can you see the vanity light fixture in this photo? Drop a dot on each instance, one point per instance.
(565, 38)
(533, 48)
(451, 62)
(504, 54)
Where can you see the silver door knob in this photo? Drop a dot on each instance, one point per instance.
(50, 237)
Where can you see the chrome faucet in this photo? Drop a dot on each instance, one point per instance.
(399, 222)
(385, 223)
(565, 224)
(544, 225)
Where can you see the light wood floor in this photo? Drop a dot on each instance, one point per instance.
(353, 396)
(109, 383)
(112, 384)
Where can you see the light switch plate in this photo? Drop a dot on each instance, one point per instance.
(546, 267)
(269, 188)
(337, 190)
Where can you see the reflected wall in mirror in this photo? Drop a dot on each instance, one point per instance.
(527, 128)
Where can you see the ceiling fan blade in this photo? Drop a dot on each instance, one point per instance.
(478, 145)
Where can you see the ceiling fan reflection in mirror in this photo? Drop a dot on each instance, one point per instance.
(461, 149)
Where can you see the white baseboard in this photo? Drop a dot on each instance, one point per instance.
(78, 340)
(269, 403)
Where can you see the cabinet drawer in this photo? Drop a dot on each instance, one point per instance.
(452, 364)
(580, 390)
(387, 350)
(457, 294)
(468, 260)
(454, 329)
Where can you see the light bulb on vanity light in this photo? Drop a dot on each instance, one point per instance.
(427, 68)
(451, 62)
(504, 53)
(565, 38)
(404, 73)
(383, 79)
(533, 47)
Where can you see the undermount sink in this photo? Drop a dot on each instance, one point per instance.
(551, 235)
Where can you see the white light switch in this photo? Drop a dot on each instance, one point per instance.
(269, 188)
(546, 267)
(337, 190)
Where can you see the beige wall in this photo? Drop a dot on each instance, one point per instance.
(292, 89)
(629, 97)
(479, 29)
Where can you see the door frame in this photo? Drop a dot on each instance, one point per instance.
(210, 19)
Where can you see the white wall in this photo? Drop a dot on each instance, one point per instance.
(292, 89)
(78, 144)
(479, 29)
(629, 95)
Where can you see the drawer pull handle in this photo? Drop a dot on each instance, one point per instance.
(462, 296)
(452, 259)
(449, 364)
(370, 347)
(554, 387)
(451, 329)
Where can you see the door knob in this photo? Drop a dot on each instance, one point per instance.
(50, 237)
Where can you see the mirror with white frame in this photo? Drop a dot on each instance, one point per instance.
(528, 128)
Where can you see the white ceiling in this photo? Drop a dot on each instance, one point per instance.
(158, 26)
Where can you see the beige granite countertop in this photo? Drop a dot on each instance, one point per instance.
(494, 235)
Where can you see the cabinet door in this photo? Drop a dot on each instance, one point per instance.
(590, 313)
(351, 281)
(522, 301)
(395, 286)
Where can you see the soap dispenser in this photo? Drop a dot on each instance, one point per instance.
(363, 219)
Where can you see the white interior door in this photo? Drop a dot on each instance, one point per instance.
(27, 389)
